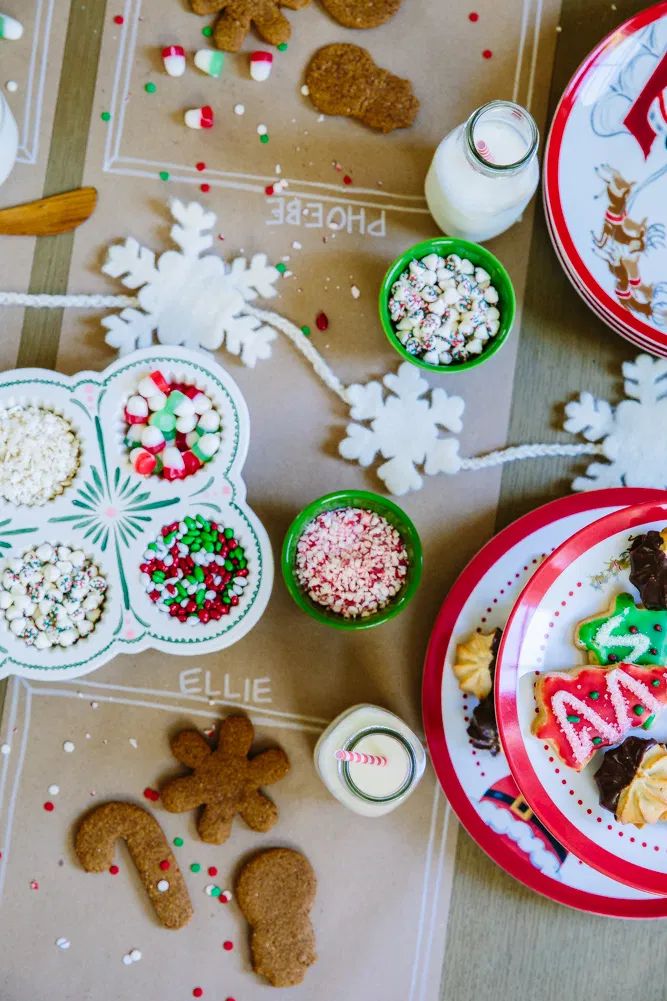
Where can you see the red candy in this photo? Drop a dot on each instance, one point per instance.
(322, 321)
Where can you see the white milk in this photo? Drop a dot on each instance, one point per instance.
(371, 790)
(484, 173)
(9, 140)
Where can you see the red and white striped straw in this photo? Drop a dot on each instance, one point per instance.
(357, 758)
(484, 151)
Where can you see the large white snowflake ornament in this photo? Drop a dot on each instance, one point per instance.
(188, 297)
(404, 429)
(633, 435)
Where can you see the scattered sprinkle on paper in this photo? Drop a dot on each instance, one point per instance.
(63, 943)
(355, 291)
(68, 746)
(133, 742)
(53, 790)
(5, 749)
(305, 90)
(12, 86)
(239, 109)
(94, 705)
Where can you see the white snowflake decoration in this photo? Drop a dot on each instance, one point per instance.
(632, 436)
(404, 428)
(189, 297)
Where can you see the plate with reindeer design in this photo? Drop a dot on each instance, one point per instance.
(581, 689)
(605, 179)
(152, 517)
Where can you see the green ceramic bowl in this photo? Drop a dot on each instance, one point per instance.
(480, 257)
(369, 502)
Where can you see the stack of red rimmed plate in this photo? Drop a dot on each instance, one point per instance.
(605, 180)
(536, 816)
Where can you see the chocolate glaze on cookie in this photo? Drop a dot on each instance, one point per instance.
(648, 573)
(483, 728)
(619, 767)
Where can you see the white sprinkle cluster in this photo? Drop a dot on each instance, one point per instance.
(444, 309)
(39, 454)
(351, 561)
(52, 596)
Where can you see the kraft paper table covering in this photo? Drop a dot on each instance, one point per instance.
(391, 879)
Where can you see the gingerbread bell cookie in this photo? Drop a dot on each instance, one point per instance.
(237, 17)
(275, 891)
(94, 845)
(225, 781)
(361, 13)
(632, 780)
(342, 79)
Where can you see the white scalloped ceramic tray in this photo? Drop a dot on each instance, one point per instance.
(112, 513)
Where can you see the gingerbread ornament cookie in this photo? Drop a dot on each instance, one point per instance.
(237, 17)
(626, 632)
(94, 845)
(361, 13)
(589, 708)
(275, 891)
(225, 781)
(344, 80)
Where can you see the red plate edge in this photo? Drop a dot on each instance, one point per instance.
(439, 640)
(551, 157)
(505, 691)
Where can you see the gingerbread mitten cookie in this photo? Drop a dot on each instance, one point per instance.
(361, 13)
(237, 16)
(94, 845)
(275, 891)
(343, 80)
(225, 781)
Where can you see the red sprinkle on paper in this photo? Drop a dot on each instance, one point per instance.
(205, 187)
(487, 53)
(268, 190)
(165, 864)
(347, 179)
(151, 794)
(322, 321)
(228, 946)
(200, 166)
(49, 807)
(473, 16)
(114, 870)
(34, 885)
(197, 992)
(119, 19)
(212, 871)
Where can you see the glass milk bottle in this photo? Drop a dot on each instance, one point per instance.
(370, 760)
(9, 139)
(484, 173)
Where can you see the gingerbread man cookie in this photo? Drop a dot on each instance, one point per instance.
(94, 845)
(342, 79)
(275, 891)
(236, 17)
(225, 781)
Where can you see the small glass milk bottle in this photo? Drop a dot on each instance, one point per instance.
(484, 173)
(346, 759)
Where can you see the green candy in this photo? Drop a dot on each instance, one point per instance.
(199, 574)
(229, 533)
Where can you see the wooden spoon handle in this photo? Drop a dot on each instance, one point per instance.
(49, 216)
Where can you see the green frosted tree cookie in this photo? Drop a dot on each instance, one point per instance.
(625, 633)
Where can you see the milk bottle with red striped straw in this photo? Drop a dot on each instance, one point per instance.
(370, 760)
(484, 172)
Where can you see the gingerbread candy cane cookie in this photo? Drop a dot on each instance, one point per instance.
(275, 891)
(94, 845)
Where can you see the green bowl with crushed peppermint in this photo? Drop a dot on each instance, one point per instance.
(352, 559)
(447, 305)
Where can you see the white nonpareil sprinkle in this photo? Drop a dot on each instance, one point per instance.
(351, 561)
(68, 746)
(134, 743)
(53, 790)
(63, 943)
(162, 886)
(5, 749)
(39, 454)
(135, 955)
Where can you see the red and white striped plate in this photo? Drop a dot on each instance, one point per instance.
(580, 579)
(478, 786)
(605, 179)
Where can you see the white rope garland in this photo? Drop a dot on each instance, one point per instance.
(514, 453)
(517, 452)
(43, 301)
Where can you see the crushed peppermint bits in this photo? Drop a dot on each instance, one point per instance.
(39, 454)
(351, 561)
(196, 571)
(52, 596)
(444, 309)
